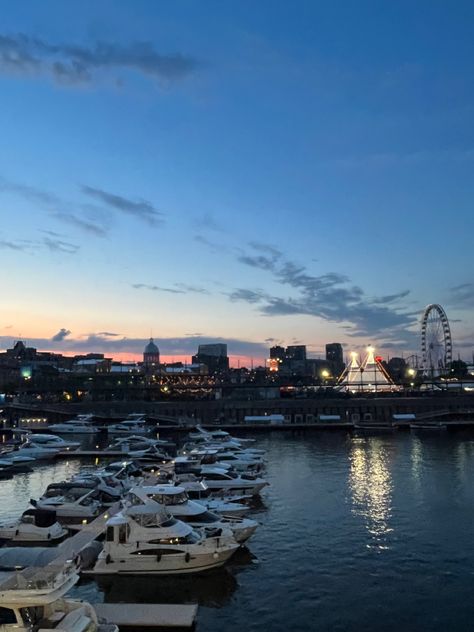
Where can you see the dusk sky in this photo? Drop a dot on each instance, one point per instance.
(249, 172)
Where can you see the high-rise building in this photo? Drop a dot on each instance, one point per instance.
(277, 353)
(335, 357)
(214, 356)
(296, 352)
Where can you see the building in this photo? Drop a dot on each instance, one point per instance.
(214, 356)
(151, 356)
(335, 357)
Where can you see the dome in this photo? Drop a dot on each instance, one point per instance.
(151, 347)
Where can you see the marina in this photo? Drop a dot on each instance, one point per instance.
(361, 502)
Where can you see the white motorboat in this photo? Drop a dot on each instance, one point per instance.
(241, 462)
(33, 601)
(81, 424)
(133, 443)
(201, 434)
(16, 463)
(35, 451)
(134, 424)
(33, 528)
(72, 507)
(53, 441)
(176, 501)
(199, 492)
(220, 480)
(146, 540)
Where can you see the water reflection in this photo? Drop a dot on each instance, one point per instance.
(213, 589)
(371, 487)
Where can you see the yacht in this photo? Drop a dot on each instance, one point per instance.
(33, 600)
(220, 480)
(133, 425)
(216, 435)
(16, 463)
(136, 442)
(198, 491)
(71, 507)
(53, 441)
(81, 424)
(36, 451)
(176, 501)
(33, 528)
(6, 470)
(146, 540)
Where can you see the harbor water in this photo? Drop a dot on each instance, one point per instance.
(356, 533)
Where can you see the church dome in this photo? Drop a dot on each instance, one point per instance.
(151, 347)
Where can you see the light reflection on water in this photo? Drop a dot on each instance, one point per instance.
(371, 486)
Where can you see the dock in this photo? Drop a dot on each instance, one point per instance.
(89, 532)
(152, 615)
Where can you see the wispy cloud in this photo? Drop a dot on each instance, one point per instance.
(88, 217)
(58, 245)
(156, 288)
(330, 296)
(85, 225)
(462, 295)
(178, 288)
(142, 209)
(14, 245)
(52, 244)
(72, 65)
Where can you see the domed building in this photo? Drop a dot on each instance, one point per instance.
(151, 356)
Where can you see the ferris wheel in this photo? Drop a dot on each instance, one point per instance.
(436, 343)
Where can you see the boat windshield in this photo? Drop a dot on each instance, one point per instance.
(170, 499)
(153, 520)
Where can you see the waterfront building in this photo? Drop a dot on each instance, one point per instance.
(151, 356)
(214, 356)
(335, 357)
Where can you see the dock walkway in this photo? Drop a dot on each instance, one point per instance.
(153, 615)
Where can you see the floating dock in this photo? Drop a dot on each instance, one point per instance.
(138, 615)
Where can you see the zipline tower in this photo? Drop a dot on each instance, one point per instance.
(367, 376)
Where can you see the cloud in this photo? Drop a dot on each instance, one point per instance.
(14, 245)
(192, 288)
(138, 208)
(89, 218)
(156, 288)
(85, 225)
(462, 295)
(30, 246)
(61, 335)
(207, 221)
(57, 245)
(250, 296)
(330, 296)
(179, 288)
(213, 247)
(73, 65)
(100, 343)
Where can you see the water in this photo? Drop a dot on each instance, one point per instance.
(356, 534)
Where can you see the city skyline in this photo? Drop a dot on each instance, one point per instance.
(246, 174)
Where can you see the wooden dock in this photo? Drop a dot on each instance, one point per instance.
(138, 615)
(89, 532)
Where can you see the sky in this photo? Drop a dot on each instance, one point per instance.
(255, 173)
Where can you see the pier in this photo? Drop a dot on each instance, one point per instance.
(137, 615)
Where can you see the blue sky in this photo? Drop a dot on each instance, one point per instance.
(252, 172)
